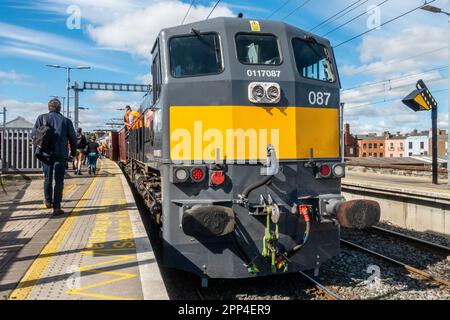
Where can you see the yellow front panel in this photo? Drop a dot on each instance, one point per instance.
(242, 133)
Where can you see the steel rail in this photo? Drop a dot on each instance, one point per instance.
(328, 293)
(405, 266)
(418, 241)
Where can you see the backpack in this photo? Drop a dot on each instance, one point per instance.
(81, 142)
(44, 136)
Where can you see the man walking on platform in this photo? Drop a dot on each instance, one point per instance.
(52, 134)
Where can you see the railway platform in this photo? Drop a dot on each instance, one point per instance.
(98, 249)
(406, 201)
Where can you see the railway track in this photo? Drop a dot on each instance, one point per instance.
(410, 269)
(321, 289)
(330, 295)
(413, 240)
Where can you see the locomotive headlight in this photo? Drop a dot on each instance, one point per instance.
(273, 93)
(339, 170)
(264, 92)
(181, 175)
(258, 93)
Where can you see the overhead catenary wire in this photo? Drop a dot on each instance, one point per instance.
(396, 79)
(343, 14)
(385, 90)
(189, 9)
(390, 89)
(383, 24)
(336, 14)
(384, 101)
(352, 19)
(214, 8)
(382, 65)
(278, 9)
(304, 3)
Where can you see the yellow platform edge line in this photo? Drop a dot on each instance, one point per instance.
(37, 268)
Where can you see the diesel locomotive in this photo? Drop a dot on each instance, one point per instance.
(238, 154)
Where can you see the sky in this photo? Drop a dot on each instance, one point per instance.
(114, 38)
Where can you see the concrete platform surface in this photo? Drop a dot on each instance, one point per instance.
(98, 250)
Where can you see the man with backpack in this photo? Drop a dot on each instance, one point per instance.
(81, 153)
(51, 134)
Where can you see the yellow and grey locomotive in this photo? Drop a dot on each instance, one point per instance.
(239, 154)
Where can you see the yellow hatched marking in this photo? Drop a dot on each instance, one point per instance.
(93, 268)
(37, 268)
(97, 240)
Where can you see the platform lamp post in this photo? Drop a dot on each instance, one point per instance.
(4, 139)
(421, 99)
(439, 10)
(68, 69)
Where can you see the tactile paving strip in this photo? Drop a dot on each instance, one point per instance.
(92, 256)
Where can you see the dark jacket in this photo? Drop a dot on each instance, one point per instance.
(63, 134)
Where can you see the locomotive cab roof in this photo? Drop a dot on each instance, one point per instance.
(224, 33)
(232, 25)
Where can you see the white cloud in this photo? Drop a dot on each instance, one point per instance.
(48, 47)
(131, 25)
(103, 97)
(95, 117)
(398, 57)
(145, 78)
(11, 77)
(385, 56)
(28, 110)
(136, 31)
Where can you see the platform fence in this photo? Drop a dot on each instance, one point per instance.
(17, 151)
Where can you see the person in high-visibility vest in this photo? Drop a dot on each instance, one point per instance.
(131, 119)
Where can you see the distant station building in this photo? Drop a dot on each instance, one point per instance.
(395, 145)
(17, 143)
(398, 145)
(371, 145)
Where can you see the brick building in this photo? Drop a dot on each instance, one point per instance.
(442, 143)
(350, 143)
(371, 145)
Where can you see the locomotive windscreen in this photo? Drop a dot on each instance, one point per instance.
(195, 55)
(258, 49)
(313, 60)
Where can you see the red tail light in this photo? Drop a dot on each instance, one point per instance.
(325, 171)
(197, 174)
(217, 177)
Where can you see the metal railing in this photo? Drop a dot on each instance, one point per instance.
(17, 151)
